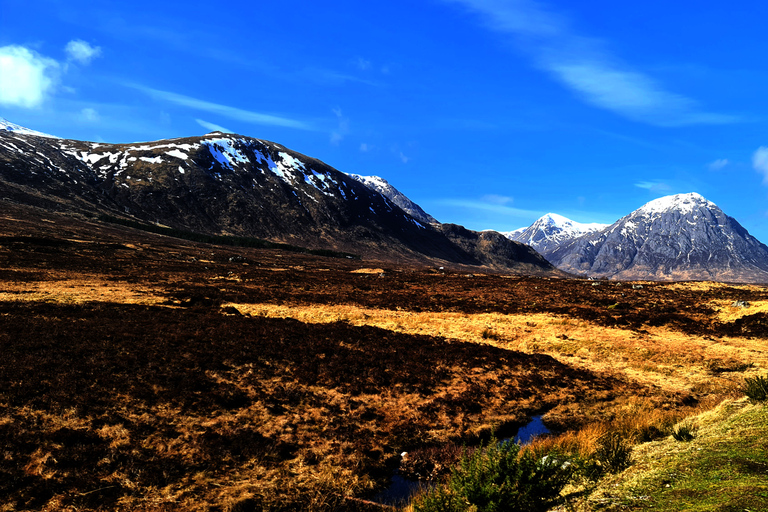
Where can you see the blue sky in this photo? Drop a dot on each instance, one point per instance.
(488, 113)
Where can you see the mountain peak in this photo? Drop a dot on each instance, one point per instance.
(677, 237)
(383, 187)
(683, 203)
(550, 231)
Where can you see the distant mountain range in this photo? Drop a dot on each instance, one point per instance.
(551, 231)
(225, 184)
(679, 237)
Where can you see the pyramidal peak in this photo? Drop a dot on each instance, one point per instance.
(551, 231)
(685, 203)
(555, 220)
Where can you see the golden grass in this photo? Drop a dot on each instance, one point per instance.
(367, 271)
(80, 290)
(661, 357)
(727, 312)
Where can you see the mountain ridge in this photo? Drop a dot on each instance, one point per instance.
(227, 184)
(678, 237)
(550, 231)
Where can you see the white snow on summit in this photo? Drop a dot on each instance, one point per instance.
(552, 229)
(383, 187)
(684, 203)
(11, 127)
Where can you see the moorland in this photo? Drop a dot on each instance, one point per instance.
(147, 372)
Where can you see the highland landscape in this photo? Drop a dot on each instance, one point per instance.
(158, 356)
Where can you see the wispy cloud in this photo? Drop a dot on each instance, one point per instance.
(27, 78)
(654, 186)
(342, 129)
(82, 52)
(760, 162)
(718, 164)
(239, 114)
(363, 64)
(497, 199)
(333, 78)
(90, 115)
(212, 127)
(586, 67)
(474, 204)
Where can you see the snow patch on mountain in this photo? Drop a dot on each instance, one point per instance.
(12, 127)
(681, 203)
(382, 186)
(552, 230)
(683, 236)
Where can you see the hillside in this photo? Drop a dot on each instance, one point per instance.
(225, 184)
(142, 371)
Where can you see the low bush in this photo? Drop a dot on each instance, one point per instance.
(614, 453)
(756, 389)
(684, 433)
(500, 477)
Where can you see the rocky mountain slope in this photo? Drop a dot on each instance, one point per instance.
(676, 237)
(383, 187)
(230, 184)
(551, 231)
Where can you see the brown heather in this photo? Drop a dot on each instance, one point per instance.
(141, 372)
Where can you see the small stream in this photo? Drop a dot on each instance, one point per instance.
(527, 432)
(401, 489)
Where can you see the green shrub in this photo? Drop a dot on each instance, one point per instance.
(756, 389)
(614, 453)
(500, 478)
(684, 433)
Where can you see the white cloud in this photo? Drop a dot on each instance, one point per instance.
(90, 115)
(497, 199)
(82, 52)
(223, 110)
(718, 164)
(482, 205)
(403, 158)
(342, 129)
(654, 186)
(760, 162)
(584, 65)
(363, 64)
(26, 77)
(212, 127)
(364, 147)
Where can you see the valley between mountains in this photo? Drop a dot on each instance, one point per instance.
(219, 323)
(144, 372)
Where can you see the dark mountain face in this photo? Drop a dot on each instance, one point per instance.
(229, 184)
(675, 237)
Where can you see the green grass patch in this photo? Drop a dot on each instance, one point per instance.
(724, 467)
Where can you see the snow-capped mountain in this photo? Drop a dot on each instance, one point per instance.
(683, 236)
(551, 231)
(230, 184)
(11, 127)
(383, 187)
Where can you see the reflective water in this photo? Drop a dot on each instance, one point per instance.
(527, 432)
(401, 489)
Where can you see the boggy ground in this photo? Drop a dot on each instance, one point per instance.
(142, 372)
